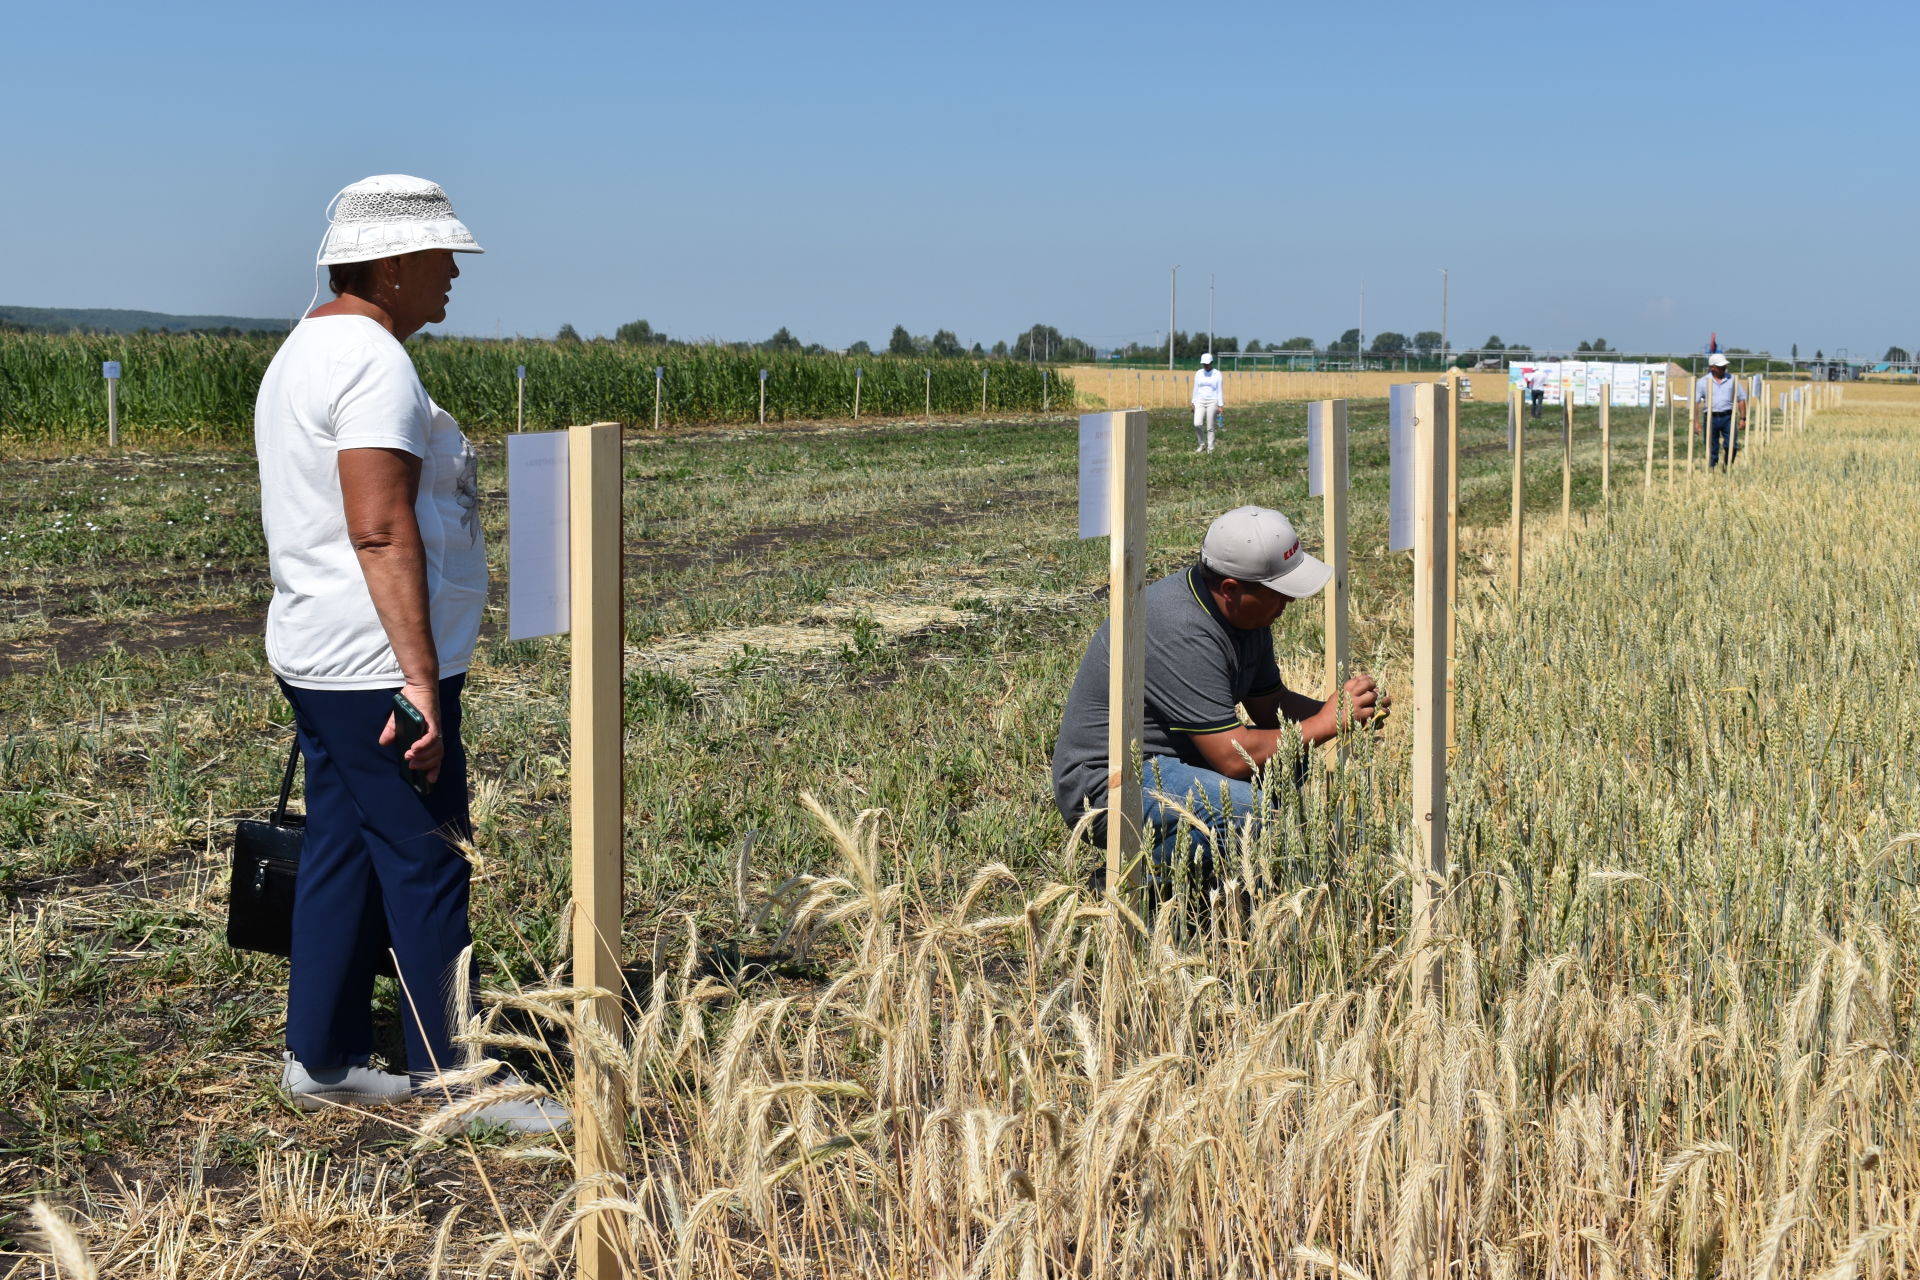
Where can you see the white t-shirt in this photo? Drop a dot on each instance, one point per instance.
(344, 382)
(1532, 379)
(1208, 388)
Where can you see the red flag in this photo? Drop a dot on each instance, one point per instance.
(1713, 343)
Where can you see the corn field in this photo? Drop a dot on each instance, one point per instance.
(200, 388)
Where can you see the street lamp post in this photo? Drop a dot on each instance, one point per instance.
(1443, 317)
(1210, 315)
(1360, 338)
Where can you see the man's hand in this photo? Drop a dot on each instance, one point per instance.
(1360, 702)
(427, 753)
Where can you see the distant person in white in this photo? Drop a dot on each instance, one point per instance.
(1534, 380)
(369, 496)
(1209, 398)
(1721, 394)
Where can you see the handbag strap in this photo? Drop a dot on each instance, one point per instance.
(286, 783)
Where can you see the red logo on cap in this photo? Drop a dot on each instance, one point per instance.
(1291, 552)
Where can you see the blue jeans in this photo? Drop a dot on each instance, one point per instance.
(1720, 438)
(378, 862)
(1222, 804)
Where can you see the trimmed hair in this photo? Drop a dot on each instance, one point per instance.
(351, 277)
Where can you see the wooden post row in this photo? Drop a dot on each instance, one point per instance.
(1126, 642)
(1432, 429)
(597, 806)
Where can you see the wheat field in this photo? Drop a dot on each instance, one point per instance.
(1675, 1033)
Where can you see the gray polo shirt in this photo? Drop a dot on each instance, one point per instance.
(1198, 668)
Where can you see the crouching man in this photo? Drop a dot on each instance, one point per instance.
(1209, 650)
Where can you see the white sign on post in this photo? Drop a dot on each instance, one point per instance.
(1096, 470)
(1400, 480)
(539, 555)
(109, 368)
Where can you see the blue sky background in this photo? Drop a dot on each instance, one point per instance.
(1639, 172)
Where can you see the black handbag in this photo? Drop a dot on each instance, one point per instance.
(266, 864)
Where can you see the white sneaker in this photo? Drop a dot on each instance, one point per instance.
(351, 1084)
(1199, 448)
(532, 1114)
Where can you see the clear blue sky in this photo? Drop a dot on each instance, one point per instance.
(1639, 172)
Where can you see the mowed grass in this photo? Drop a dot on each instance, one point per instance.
(887, 621)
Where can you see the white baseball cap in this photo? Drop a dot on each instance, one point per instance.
(391, 214)
(1257, 544)
(1716, 361)
(1206, 357)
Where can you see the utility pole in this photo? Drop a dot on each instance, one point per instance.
(1173, 296)
(1360, 339)
(1443, 317)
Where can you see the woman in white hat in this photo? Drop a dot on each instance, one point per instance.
(369, 498)
(1209, 398)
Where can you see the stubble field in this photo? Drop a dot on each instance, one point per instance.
(889, 1034)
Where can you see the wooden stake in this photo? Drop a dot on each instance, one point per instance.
(1432, 427)
(1519, 499)
(1333, 481)
(983, 393)
(763, 397)
(1566, 460)
(858, 375)
(1606, 455)
(520, 400)
(1693, 419)
(1653, 416)
(929, 395)
(659, 380)
(1450, 391)
(113, 413)
(594, 464)
(1126, 643)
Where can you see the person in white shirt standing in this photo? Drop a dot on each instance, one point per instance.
(369, 497)
(1209, 398)
(1722, 394)
(1534, 379)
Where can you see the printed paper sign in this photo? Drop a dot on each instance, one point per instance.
(539, 554)
(1316, 449)
(520, 371)
(1096, 471)
(109, 368)
(1400, 469)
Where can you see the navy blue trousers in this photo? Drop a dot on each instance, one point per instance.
(378, 863)
(1720, 438)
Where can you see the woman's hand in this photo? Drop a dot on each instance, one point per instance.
(430, 749)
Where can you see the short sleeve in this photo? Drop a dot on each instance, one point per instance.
(377, 401)
(1190, 684)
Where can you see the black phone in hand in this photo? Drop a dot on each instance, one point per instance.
(409, 726)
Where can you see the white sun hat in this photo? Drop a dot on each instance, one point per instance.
(390, 214)
(1206, 357)
(1716, 361)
